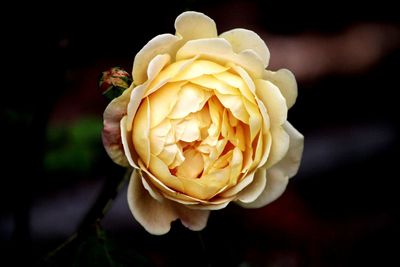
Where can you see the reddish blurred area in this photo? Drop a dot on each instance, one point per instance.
(340, 210)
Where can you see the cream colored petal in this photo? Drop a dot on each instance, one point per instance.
(127, 143)
(273, 100)
(255, 119)
(161, 44)
(191, 98)
(197, 69)
(231, 192)
(193, 219)
(156, 216)
(163, 101)
(141, 132)
(279, 145)
(194, 25)
(153, 191)
(253, 190)
(188, 131)
(153, 215)
(111, 133)
(219, 50)
(289, 165)
(213, 83)
(276, 185)
(160, 170)
(242, 39)
(286, 82)
(235, 104)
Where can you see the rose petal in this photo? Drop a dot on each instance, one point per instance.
(273, 100)
(161, 44)
(141, 131)
(155, 66)
(111, 133)
(242, 39)
(276, 185)
(286, 82)
(279, 145)
(289, 165)
(127, 144)
(194, 25)
(156, 216)
(251, 192)
(231, 192)
(220, 50)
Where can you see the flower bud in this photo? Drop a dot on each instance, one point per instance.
(114, 82)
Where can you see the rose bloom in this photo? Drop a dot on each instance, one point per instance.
(203, 124)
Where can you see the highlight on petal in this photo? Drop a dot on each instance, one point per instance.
(192, 25)
(276, 185)
(242, 39)
(161, 44)
(286, 82)
(111, 133)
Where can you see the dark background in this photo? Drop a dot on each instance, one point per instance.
(340, 210)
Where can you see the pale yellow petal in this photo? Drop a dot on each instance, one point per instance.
(188, 131)
(232, 192)
(127, 144)
(286, 82)
(242, 39)
(273, 100)
(153, 215)
(160, 170)
(163, 101)
(156, 216)
(191, 98)
(290, 163)
(279, 145)
(111, 133)
(251, 192)
(141, 132)
(161, 44)
(198, 68)
(235, 104)
(194, 25)
(276, 185)
(193, 165)
(158, 136)
(219, 50)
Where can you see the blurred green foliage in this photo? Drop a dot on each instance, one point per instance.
(73, 147)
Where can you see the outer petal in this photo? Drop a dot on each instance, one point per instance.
(111, 134)
(156, 216)
(276, 185)
(289, 165)
(242, 39)
(194, 25)
(286, 83)
(161, 44)
(253, 190)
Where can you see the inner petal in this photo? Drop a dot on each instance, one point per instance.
(193, 165)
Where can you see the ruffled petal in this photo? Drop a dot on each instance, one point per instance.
(111, 133)
(286, 82)
(242, 39)
(276, 185)
(161, 44)
(194, 25)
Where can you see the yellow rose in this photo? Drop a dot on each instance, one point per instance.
(203, 124)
